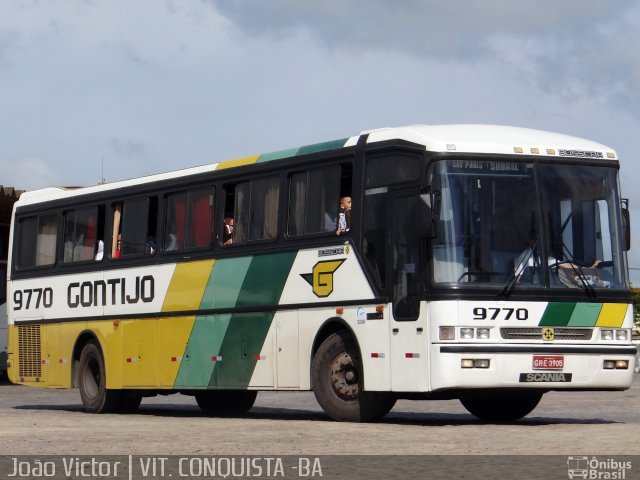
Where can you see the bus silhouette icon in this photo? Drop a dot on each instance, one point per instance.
(578, 467)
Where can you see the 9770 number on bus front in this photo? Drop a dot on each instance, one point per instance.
(482, 313)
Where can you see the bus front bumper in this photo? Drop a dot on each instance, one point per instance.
(549, 367)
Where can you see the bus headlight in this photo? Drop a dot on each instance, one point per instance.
(466, 333)
(606, 334)
(621, 335)
(482, 333)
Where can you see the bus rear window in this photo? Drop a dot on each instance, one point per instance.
(36, 241)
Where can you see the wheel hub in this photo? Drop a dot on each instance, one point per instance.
(344, 376)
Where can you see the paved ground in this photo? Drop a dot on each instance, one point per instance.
(34, 421)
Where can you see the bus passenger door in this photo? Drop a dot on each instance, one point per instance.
(404, 273)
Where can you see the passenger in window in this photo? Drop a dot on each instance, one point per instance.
(150, 246)
(344, 216)
(100, 251)
(227, 236)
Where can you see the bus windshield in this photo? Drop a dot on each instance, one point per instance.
(525, 225)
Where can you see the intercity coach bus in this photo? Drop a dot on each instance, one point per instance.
(480, 263)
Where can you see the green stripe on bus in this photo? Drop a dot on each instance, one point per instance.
(265, 279)
(207, 334)
(314, 148)
(557, 314)
(267, 157)
(323, 147)
(206, 339)
(225, 283)
(585, 315)
(243, 341)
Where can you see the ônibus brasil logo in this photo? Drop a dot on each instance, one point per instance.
(596, 468)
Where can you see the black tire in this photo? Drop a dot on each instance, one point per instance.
(503, 407)
(224, 403)
(336, 373)
(92, 382)
(129, 401)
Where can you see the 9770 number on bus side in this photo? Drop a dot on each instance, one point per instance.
(482, 313)
(32, 298)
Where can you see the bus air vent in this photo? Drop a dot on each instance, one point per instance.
(29, 351)
(561, 333)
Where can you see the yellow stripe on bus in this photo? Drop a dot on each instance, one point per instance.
(238, 162)
(612, 315)
(187, 285)
(185, 292)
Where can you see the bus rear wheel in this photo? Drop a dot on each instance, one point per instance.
(95, 396)
(338, 383)
(224, 403)
(503, 407)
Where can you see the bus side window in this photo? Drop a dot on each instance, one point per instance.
(134, 227)
(255, 209)
(36, 241)
(83, 232)
(189, 220)
(313, 200)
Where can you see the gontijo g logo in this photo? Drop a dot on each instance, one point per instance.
(321, 277)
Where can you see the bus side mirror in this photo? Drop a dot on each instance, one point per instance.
(626, 226)
(429, 214)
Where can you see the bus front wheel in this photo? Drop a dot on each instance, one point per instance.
(502, 407)
(338, 383)
(95, 396)
(226, 402)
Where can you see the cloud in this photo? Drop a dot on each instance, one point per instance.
(439, 28)
(574, 48)
(127, 148)
(28, 174)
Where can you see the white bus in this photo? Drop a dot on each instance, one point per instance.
(479, 263)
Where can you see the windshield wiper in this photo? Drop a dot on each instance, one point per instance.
(517, 272)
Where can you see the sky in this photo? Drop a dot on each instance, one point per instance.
(123, 88)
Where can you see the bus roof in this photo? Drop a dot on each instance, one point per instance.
(435, 138)
(491, 139)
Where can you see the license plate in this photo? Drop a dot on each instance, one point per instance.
(548, 362)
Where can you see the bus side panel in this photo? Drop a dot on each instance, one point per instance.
(57, 356)
(139, 353)
(235, 350)
(286, 349)
(334, 274)
(173, 336)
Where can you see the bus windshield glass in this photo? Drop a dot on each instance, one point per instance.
(493, 233)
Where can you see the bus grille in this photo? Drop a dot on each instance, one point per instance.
(560, 333)
(30, 354)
